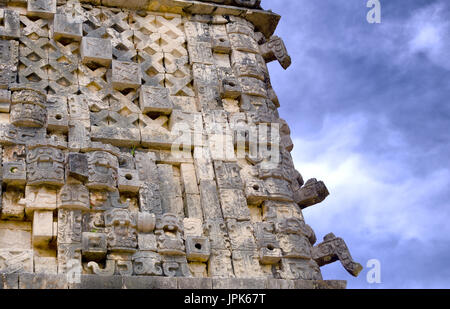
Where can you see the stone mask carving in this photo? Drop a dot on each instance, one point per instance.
(45, 165)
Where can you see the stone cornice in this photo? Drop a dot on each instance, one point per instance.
(264, 21)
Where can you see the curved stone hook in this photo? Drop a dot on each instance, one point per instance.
(332, 249)
(107, 271)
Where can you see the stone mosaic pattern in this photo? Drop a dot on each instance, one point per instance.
(92, 99)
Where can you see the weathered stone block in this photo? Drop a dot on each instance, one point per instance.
(150, 198)
(102, 170)
(79, 109)
(192, 227)
(240, 284)
(217, 232)
(246, 264)
(210, 200)
(39, 198)
(219, 39)
(253, 87)
(45, 265)
(197, 249)
(128, 180)
(228, 175)
(15, 234)
(69, 226)
(313, 192)
(146, 222)
(295, 246)
(28, 108)
(14, 173)
(234, 204)
(42, 8)
(121, 230)
(176, 266)
(42, 281)
(198, 270)
(125, 74)
(200, 52)
(241, 235)
(269, 256)
(8, 75)
(74, 197)
(147, 263)
(99, 282)
(9, 281)
(280, 284)
(42, 228)
(10, 134)
(96, 50)
(330, 284)
(189, 179)
(64, 28)
(93, 245)
(79, 138)
(243, 43)
(57, 114)
(45, 165)
(16, 261)
(155, 100)
(246, 64)
(147, 242)
(77, 166)
(149, 283)
(219, 264)
(11, 24)
(229, 85)
(203, 164)
(194, 283)
(300, 269)
(69, 258)
(192, 206)
(5, 100)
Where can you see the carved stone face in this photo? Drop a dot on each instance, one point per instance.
(279, 189)
(45, 165)
(119, 217)
(170, 223)
(228, 175)
(291, 226)
(74, 196)
(121, 230)
(148, 264)
(102, 170)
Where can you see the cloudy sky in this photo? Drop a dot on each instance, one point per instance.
(368, 106)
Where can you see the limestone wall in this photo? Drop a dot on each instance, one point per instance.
(144, 140)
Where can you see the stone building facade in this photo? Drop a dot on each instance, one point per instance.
(141, 147)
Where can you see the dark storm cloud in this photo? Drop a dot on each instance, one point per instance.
(369, 113)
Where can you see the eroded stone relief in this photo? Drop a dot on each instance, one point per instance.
(92, 101)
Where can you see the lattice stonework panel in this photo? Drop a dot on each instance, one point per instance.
(147, 143)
